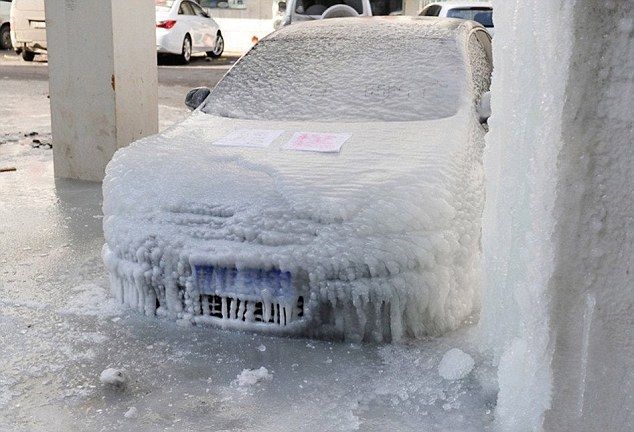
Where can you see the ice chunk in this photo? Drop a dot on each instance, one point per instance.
(114, 378)
(249, 377)
(131, 413)
(455, 364)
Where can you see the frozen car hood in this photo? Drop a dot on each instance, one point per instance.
(393, 208)
(182, 165)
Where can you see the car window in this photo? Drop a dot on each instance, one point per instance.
(164, 5)
(317, 7)
(432, 10)
(345, 76)
(482, 15)
(223, 4)
(186, 9)
(386, 7)
(198, 10)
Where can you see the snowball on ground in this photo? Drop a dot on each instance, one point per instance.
(249, 377)
(455, 364)
(114, 378)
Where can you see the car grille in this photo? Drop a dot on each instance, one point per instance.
(236, 295)
(233, 308)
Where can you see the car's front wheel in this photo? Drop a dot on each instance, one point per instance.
(186, 53)
(28, 55)
(219, 47)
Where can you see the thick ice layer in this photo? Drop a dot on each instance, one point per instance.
(385, 69)
(375, 242)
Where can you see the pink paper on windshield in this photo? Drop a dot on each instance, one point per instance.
(317, 141)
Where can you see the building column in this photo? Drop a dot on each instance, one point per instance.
(103, 81)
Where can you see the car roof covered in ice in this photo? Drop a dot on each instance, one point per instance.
(357, 69)
(396, 26)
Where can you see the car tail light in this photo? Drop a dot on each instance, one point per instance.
(166, 24)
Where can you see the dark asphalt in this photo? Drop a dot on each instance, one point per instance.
(201, 70)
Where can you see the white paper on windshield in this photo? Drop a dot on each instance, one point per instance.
(317, 141)
(249, 138)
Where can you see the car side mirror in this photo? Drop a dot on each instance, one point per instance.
(281, 6)
(196, 96)
(483, 107)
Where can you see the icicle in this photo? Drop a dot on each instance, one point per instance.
(396, 323)
(241, 308)
(223, 303)
(233, 306)
(291, 311)
(250, 314)
(205, 305)
(150, 303)
(266, 311)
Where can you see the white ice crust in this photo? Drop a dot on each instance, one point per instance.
(349, 69)
(249, 377)
(377, 241)
(383, 235)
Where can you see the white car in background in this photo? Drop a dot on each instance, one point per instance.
(478, 11)
(321, 189)
(5, 28)
(184, 28)
(307, 10)
(28, 28)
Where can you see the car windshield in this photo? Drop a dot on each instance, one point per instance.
(482, 15)
(164, 4)
(343, 75)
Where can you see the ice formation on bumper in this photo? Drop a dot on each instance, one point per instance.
(376, 242)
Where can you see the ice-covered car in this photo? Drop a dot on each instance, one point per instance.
(183, 28)
(331, 185)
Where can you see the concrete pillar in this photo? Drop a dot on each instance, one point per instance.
(103, 81)
(413, 7)
(558, 233)
(592, 288)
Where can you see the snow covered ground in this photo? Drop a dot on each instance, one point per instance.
(179, 378)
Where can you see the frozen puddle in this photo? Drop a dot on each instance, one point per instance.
(91, 299)
(60, 330)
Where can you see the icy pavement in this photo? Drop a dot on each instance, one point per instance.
(60, 329)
